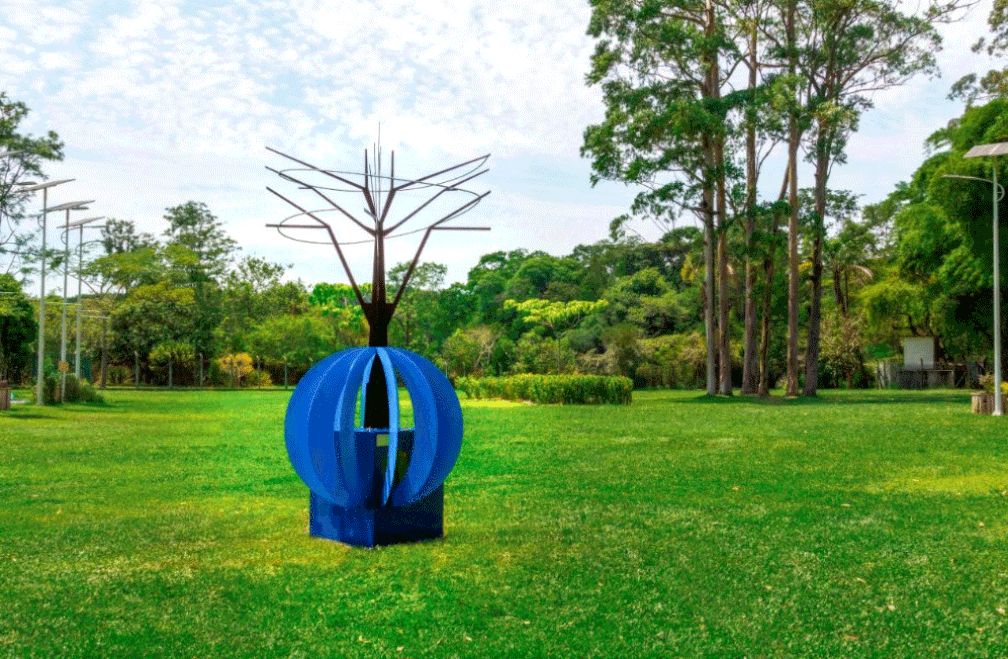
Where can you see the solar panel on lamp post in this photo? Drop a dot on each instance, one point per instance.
(66, 272)
(44, 187)
(80, 224)
(992, 151)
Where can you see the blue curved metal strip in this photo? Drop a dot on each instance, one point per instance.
(449, 436)
(355, 470)
(363, 392)
(297, 422)
(320, 432)
(321, 439)
(426, 428)
(393, 408)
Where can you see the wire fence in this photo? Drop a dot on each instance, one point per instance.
(199, 372)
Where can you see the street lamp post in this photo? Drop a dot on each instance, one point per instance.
(44, 187)
(80, 224)
(992, 151)
(998, 411)
(66, 272)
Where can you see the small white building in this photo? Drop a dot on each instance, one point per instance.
(919, 352)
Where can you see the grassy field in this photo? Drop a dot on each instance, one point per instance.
(170, 524)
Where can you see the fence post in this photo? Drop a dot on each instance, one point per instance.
(104, 350)
(285, 373)
(170, 362)
(136, 369)
(201, 370)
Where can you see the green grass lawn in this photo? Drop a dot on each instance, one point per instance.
(170, 524)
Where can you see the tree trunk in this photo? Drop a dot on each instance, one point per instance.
(793, 274)
(815, 308)
(768, 276)
(104, 351)
(710, 167)
(709, 329)
(716, 169)
(792, 345)
(724, 347)
(846, 295)
(749, 357)
(838, 295)
(724, 335)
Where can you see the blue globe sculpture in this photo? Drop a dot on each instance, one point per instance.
(374, 485)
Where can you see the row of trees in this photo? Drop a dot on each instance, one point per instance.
(917, 262)
(698, 93)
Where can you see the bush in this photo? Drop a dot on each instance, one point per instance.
(987, 382)
(563, 389)
(840, 359)
(50, 384)
(673, 361)
(622, 344)
(80, 391)
(77, 391)
(535, 354)
(118, 375)
(258, 379)
(236, 367)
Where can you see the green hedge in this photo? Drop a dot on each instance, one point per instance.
(77, 391)
(565, 389)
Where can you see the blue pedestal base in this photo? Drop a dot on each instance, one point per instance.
(384, 525)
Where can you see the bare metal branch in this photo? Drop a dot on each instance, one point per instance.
(335, 243)
(319, 193)
(378, 199)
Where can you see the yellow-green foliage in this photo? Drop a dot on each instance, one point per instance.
(564, 389)
(236, 366)
(987, 382)
(177, 351)
(258, 379)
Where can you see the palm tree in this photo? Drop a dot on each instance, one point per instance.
(846, 256)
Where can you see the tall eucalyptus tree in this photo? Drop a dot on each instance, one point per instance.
(850, 49)
(664, 69)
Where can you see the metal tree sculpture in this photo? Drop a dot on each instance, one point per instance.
(379, 310)
(350, 502)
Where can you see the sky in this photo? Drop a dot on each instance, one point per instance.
(163, 102)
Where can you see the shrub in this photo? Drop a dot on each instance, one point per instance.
(535, 354)
(258, 379)
(80, 391)
(77, 391)
(622, 343)
(987, 382)
(50, 384)
(563, 389)
(118, 375)
(673, 361)
(236, 367)
(840, 360)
